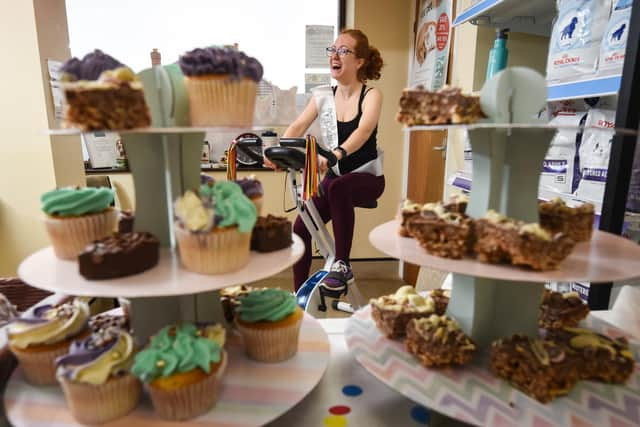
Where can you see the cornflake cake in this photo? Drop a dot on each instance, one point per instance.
(407, 210)
(446, 106)
(438, 341)
(442, 233)
(558, 310)
(392, 312)
(576, 222)
(540, 368)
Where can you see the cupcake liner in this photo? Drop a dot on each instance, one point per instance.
(191, 400)
(220, 101)
(39, 367)
(69, 236)
(270, 345)
(96, 404)
(220, 251)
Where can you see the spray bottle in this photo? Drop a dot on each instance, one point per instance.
(499, 54)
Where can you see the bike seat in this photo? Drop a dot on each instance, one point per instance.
(286, 157)
(372, 204)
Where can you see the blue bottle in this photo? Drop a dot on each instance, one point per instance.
(499, 54)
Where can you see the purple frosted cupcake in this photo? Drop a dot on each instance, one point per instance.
(221, 84)
(95, 376)
(252, 188)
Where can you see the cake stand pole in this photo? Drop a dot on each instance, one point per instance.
(506, 169)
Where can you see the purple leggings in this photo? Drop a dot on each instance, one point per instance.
(341, 195)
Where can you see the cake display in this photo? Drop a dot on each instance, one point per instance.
(501, 239)
(442, 233)
(119, 255)
(407, 210)
(558, 310)
(252, 188)
(393, 312)
(95, 377)
(271, 233)
(269, 322)
(576, 222)
(598, 357)
(446, 106)
(221, 84)
(540, 368)
(437, 341)
(38, 337)
(102, 94)
(76, 217)
(182, 369)
(213, 228)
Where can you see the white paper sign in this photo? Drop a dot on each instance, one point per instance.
(101, 147)
(431, 49)
(317, 39)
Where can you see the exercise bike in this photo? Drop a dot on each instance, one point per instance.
(313, 295)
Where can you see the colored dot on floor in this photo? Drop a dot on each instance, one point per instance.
(420, 414)
(339, 410)
(335, 421)
(352, 390)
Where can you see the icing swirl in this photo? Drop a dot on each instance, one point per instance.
(47, 324)
(90, 67)
(266, 305)
(179, 349)
(105, 353)
(216, 60)
(76, 201)
(251, 187)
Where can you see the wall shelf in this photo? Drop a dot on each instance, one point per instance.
(532, 17)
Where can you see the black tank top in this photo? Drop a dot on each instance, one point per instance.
(368, 151)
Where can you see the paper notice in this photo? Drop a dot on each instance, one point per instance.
(317, 39)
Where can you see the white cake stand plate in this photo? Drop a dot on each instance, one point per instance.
(252, 393)
(474, 396)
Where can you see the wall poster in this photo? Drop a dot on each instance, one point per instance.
(432, 43)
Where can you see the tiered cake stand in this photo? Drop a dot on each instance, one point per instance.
(494, 301)
(165, 162)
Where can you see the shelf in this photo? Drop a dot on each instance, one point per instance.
(605, 258)
(45, 271)
(600, 86)
(473, 395)
(162, 130)
(251, 393)
(533, 17)
(542, 126)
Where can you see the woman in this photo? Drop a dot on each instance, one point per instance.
(352, 62)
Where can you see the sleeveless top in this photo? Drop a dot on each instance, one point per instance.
(368, 151)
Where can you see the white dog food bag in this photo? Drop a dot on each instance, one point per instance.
(557, 169)
(576, 38)
(594, 154)
(614, 41)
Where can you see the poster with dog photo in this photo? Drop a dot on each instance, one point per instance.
(431, 48)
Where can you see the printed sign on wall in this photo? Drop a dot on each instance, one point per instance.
(432, 43)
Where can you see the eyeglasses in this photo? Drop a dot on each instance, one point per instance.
(341, 51)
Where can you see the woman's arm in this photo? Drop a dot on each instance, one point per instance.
(371, 107)
(304, 120)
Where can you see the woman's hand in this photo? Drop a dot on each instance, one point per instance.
(323, 164)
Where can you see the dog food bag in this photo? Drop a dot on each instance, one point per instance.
(576, 38)
(614, 41)
(594, 154)
(557, 170)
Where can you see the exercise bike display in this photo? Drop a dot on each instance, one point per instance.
(313, 294)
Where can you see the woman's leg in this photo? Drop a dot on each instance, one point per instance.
(301, 268)
(346, 192)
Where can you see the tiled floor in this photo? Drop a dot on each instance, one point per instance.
(373, 278)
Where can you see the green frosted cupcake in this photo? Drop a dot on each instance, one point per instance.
(76, 217)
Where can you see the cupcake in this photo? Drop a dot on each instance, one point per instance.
(269, 321)
(221, 84)
(95, 377)
(101, 93)
(182, 369)
(38, 337)
(252, 188)
(77, 217)
(213, 228)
